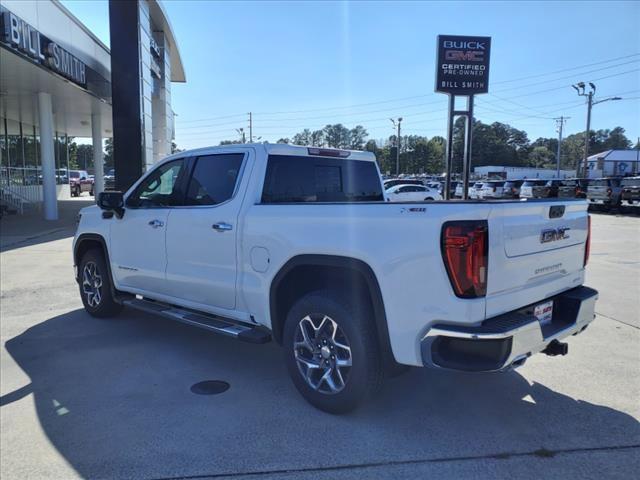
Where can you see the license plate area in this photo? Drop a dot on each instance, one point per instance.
(544, 312)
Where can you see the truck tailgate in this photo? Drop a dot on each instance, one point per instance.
(536, 250)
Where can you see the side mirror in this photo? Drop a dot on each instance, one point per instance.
(112, 201)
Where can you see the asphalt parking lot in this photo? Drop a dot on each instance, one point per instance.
(82, 397)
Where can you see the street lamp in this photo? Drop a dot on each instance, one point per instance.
(580, 88)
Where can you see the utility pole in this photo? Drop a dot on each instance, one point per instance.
(250, 128)
(580, 88)
(560, 124)
(397, 125)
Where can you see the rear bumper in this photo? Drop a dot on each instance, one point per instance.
(507, 340)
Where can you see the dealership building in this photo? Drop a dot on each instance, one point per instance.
(58, 81)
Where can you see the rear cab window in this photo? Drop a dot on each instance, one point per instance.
(293, 179)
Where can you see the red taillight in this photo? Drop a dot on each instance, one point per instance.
(587, 246)
(465, 254)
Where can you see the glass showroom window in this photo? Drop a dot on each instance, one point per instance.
(15, 157)
(4, 153)
(31, 160)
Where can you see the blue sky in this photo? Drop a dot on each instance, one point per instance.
(306, 64)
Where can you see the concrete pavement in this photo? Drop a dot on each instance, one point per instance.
(82, 397)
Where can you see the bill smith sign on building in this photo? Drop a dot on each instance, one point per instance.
(463, 64)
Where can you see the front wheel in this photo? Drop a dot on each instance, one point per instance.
(331, 351)
(95, 286)
(428, 199)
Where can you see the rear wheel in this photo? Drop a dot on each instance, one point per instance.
(331, 351)
(428, 199)
(95, 286)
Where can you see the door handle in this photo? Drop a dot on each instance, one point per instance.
(156, 223)
(222, 227)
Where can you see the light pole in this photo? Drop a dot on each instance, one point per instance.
(397, 143)
(580, 88)
(560, 122)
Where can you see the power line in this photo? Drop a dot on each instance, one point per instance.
(425, 95)
(566, 77)
(566, 69)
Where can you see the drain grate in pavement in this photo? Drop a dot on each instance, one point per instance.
(210, 387)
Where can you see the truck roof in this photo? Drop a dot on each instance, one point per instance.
(278, 149)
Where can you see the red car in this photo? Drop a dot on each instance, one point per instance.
(80, 181)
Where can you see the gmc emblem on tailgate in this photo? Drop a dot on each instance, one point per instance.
(553, 234)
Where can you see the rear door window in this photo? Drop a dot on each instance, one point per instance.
(292, 178)
(214, 178)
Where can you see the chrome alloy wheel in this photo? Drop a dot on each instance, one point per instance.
(92, 284)
(323, 354)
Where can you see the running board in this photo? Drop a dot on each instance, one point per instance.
(230, 328)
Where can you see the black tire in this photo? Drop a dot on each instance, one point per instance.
(354, 320)
(428, 199)
(91, 192)
(105, 306)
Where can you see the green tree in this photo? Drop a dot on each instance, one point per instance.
(317, 138)
(302, 138)
(542, 157)
(284, 140)
(336, 136)
(108, 154)
(357, 137)
(85, 157)
(174, 148)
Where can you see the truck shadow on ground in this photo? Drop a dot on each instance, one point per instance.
(113, 397)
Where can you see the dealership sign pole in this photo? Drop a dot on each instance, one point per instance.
(462, 70)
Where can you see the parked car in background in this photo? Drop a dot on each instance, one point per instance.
(548, 190)
(412, 193)
(573, 188)
(474, 190)
(631, 190)
(526, 190)
(453, 186)
(79, 181)
(491, 189)
(392, 182)
(511, 188)
(110, 180)
(605, 191)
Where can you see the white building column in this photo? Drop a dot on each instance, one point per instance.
(47, 157)
(98, 172)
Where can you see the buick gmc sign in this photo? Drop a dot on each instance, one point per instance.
(463, 65)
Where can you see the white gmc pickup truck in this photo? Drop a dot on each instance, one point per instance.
(298, 245)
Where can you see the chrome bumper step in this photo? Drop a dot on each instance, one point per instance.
(245, 332)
